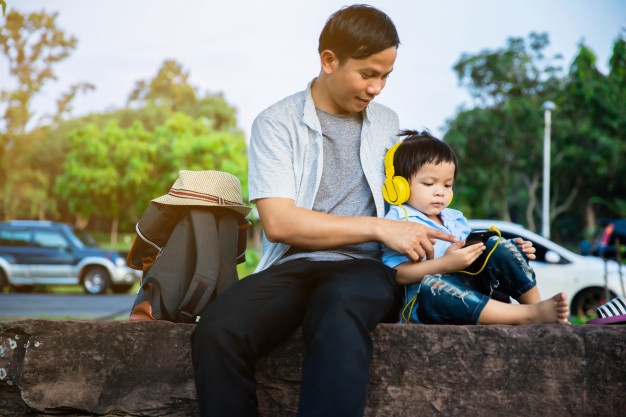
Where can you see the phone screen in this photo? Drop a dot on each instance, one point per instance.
(479, 236)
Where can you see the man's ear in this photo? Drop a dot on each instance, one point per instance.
(329, 61)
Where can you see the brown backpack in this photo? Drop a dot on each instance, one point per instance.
(189, 256)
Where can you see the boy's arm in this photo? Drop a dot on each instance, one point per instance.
(456, 258)
(414, 272)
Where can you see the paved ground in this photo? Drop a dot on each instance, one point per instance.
(57, 306)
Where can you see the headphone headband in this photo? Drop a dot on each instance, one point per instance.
(390, 171)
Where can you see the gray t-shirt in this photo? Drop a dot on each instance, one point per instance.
(285, 156)
(343, 189)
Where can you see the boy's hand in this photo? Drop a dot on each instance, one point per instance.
(526, 247)
(457, 257)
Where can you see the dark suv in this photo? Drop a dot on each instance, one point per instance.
(51, 253)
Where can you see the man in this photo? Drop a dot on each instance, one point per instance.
(316, 172)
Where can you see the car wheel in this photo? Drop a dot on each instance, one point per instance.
(3, 281)
(96, 280)
(587, 301)
(121, 288)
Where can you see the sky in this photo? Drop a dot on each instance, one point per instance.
(257, 52)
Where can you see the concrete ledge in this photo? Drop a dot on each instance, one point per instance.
(77, 368)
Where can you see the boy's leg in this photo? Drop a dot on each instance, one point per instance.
(552, 310)
(508, 274)
(450, 299)
(349, 300)
(252, 316)
(531, 296)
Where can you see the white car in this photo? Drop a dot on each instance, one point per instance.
(585, 279)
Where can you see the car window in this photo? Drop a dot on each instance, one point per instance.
(84, 239)
(50, 239)
(12, 237)
(77, 241)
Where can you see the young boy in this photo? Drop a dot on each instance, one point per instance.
(437, 291)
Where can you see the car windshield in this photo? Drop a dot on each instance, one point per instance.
(81, 239)
(84, 238)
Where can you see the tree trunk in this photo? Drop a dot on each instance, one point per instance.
(114, 227)
(590, 219)
(81, 221)
(532, 203)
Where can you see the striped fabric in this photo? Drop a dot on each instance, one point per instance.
(199, 196)
(615, 307)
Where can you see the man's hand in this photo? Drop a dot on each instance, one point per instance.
(526, 247)
(413, 239)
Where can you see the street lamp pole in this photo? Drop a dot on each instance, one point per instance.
(548, 106)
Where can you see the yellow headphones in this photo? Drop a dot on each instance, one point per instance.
(396, 189)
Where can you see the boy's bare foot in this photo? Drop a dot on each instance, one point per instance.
(552, 310)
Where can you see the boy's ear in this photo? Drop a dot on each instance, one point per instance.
(329, 61)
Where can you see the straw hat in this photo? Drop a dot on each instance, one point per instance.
(206, 188)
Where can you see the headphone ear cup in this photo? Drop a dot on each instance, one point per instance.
(396, 190)
(402, 188)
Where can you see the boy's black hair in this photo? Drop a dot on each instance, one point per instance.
(418, 149)
(357, 32)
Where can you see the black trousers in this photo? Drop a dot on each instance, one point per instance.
(337, 304)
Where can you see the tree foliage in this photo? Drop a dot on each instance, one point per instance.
(169, 92)
(119, 160)
(591, 143)
(106, 170)
(499, 141)
(115, 171)
(32, 45)
(106, 165)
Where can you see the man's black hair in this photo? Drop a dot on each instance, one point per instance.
(357, 32)
(418, 149)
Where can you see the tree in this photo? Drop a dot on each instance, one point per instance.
(193, 144)
(106, 171)
(33, 44)
(169, 87)
(590, 146)
(497, 141)
(177, 130)
(171, 92)
(116, 172)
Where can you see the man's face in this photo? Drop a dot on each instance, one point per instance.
(354, 83)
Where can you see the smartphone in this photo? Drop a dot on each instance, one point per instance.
(479, 236)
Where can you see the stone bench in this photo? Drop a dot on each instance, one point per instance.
(109, 368)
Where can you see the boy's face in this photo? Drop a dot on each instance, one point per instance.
(354, 83)
(431, 188)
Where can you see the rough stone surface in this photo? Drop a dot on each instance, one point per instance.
(79, 368)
